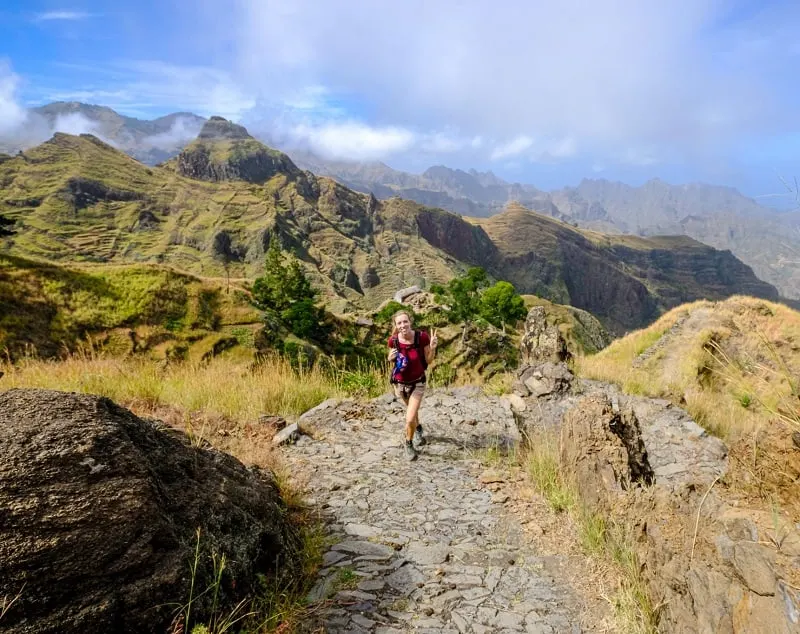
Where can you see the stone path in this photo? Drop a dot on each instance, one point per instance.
(423, 546)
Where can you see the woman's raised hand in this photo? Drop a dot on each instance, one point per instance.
(434, 339)
(392, 354)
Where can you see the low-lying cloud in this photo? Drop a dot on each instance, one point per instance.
(182, 131)
(352, 140)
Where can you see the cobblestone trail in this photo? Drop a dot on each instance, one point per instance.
(423, 546)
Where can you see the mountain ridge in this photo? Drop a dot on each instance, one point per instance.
(76, 198)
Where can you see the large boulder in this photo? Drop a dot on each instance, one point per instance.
(100, 513)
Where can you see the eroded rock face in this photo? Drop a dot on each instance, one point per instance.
(647, 465)
(603, 451)
(541, 342)
(98, 513)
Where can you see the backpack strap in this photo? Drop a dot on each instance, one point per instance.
(421, 350)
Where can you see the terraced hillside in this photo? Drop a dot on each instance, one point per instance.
(214, 209)
(48, 310)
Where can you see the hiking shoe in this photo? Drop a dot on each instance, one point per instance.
(411, 453)
(419, 439)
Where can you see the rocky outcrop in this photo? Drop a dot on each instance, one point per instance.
(98, 517)
(541, 341)
(225, 151)
(252, 163)
(655, 476)
(645, 464)
(221, 128)
(456, 237)
(84, 192)
(400, 296)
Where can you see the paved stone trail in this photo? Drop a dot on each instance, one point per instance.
(423, 546)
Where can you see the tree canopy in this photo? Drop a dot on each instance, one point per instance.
(470, 296)
(285, 292)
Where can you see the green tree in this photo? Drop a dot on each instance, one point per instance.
(462, 295)
(285, 291)
(500, 305)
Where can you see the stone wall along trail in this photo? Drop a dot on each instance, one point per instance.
(422, 546)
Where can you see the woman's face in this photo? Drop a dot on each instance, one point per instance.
(403, 323)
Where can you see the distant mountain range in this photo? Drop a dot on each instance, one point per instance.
(216, 206)
(148, 141)
(765, 239)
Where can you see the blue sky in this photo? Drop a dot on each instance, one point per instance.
(622, 89)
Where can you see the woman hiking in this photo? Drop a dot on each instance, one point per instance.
(412, 351)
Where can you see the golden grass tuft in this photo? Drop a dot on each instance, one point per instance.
(221, 387)
(731, 364)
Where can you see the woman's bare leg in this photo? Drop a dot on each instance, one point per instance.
(412, 414)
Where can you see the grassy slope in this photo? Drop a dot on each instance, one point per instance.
(331, 231)
(734, 365)
(51, 308)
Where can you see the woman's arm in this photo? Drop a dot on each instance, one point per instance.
(430, 350)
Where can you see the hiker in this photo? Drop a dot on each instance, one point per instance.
(412, 351)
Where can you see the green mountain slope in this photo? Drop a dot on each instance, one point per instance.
(218, 204)
(49, 309)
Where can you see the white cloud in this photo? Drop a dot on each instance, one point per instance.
(61, 15)
(74, 123)
(12, 114)
(597, 76)
(182, 131)
(352, 140)
(563, 148)
(447, 141)
(515, 147)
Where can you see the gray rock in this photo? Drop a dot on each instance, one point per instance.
(362, 621)
(541, 342)
(288, 435)
(327, 404)
(517, 402)
(741, 529)
(362, 530)
(100, 506)
(426, 555)
(754, 564)
(405, 579)
(364, 548)
(400, 296)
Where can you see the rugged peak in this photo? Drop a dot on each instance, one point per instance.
(225, 151)
(220, 128)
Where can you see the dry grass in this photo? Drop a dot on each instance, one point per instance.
(225, 388)
(602, 539)
(733, 365)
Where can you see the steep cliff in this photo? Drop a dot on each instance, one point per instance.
(225, 151)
